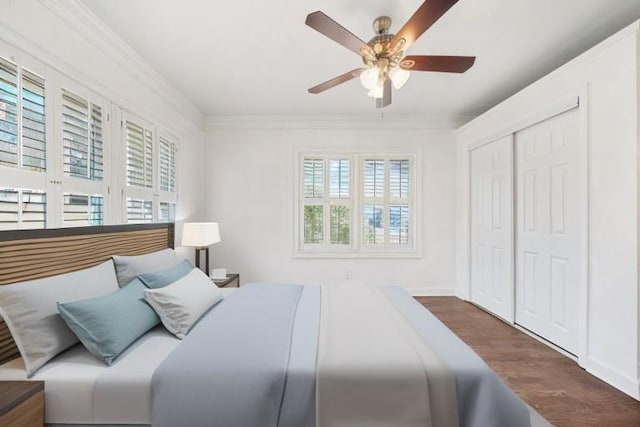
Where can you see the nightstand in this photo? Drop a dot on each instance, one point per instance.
(22, 403)
(232, 281)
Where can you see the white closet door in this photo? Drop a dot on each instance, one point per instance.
(549, 261)
(492, 227)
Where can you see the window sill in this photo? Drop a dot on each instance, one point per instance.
(357, 255)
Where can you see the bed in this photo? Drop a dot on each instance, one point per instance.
(266, 354)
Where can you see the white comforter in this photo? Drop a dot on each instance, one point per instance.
(373, 369)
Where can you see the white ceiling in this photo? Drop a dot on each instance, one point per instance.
(254, 58)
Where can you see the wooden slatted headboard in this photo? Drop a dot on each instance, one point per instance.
(33, 254)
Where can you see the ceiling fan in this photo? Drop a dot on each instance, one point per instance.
(385, 63)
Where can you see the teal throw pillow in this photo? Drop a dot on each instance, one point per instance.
(162, 278)
(107, 325)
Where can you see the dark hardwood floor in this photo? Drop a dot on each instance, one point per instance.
(553, 384)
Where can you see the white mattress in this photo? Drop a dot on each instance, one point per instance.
(80, 389)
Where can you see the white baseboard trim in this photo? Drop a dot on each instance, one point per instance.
(613, 376)
(432, 292)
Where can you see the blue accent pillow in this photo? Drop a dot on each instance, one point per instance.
(107, 325)
(160, 279)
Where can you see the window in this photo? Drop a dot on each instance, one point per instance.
(22, 118)
(22, 148)
(82, 123)
(327, 200)
(356, 204)
(64, 164)
(386, 202)
(150, 172)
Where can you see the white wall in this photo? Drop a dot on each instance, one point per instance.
(249, 178)
(608, 75)
(69, 39)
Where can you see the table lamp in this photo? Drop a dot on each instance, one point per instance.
(201, 235)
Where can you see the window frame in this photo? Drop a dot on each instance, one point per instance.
(153, 193)
(52, 180)
(76, 185)
(356, 248)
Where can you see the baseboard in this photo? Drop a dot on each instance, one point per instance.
(432, 292)
(619, 380)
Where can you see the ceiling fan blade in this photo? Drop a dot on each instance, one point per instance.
(336, 32)
(445, 64)
(426, 15)
(386, 94)
(336, 81)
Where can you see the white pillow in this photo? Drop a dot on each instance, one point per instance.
(183, 302)
(31, 312)
(128, 267)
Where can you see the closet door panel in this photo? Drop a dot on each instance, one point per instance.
(548, 240)
(492, 227)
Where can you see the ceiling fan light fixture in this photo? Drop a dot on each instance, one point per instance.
(369, 78)
(376, 92)
(399, 77)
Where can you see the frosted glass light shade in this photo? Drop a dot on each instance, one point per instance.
(399, 77)
(376, 92)
(200, 234)
(369, 78)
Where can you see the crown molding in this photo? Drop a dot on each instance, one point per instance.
(333, 122)
(95, 31)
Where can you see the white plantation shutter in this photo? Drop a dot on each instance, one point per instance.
(339, 201)
(33, 122)
(167, 212)
(167, 165)
(22, 118)
(82, 137)
(9, 208)
(326, 205)
(22, 209)
(75, 135)
(399, 178)
(339, 178)
(373, 183)
(139, 211)
(22, 146)
(82, 210)
(97, 149)
(374, 178)
(139, 155)
(83, 186)
(313, 178)
(399, 208)
(8, 113)
(313, 208)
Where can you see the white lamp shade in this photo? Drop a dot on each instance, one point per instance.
(200, 234)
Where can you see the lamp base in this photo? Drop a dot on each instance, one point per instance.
(206, 251)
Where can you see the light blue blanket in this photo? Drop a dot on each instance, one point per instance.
(231, 368)
(251, 362)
